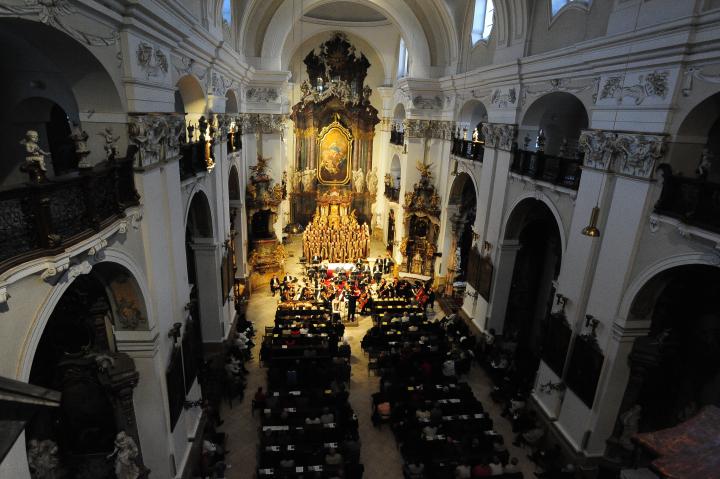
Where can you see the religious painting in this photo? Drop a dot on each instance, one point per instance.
(583, 374)
(556, 342)
(334, 154)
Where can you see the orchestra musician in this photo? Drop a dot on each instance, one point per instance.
(274, 284)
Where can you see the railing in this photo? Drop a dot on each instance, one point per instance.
(192, 159)
(397, 137)
(392, 194)
(693, 201)
(471, 150)
(43, 219)
(553, 169)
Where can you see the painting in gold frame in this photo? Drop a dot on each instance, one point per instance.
(334, 154)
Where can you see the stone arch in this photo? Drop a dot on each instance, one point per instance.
(510, 228)
(231, 102)
(697, 130)
(234, 184)
(111, 256)
(198, 217)
(561, 116)
(399, 112)
(460, 217)
(191, 95)
(284, 19)
(396, 171)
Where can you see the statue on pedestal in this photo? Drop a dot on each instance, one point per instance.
(80, 137)
(475, 136)
(358, 180)
(35, 158)
(126, 453)
(372, 181)
(110, 143)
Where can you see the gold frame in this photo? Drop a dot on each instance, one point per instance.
(332, 127)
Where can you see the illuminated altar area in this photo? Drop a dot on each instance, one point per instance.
(334, 233)
(334, 126)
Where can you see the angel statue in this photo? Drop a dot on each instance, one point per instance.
(424, 169)
(358, 180)
(110, 143)
(372, 181)
(35, 156)
(126, 453)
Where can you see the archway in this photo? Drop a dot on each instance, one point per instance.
(530, 259)
(472, 114)
(553, 124)
(681, 349)
(231, 103)
(77, 355)
(203, 267)
(393, 180)
(461, 212)
(49, 78)
(190, 99)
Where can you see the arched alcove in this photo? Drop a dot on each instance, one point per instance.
(682, 348)
(560, 117)
(461, 210)
(393, 179)
(471, 115)
(77, 355)
(234, 184)
(231, 103)
(530, 259)
(698, 137)
(191, 94)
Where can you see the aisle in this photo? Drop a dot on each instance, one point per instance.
(379, 453)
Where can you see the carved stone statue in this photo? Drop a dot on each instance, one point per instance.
(475, 136)
(297, 181)
(703, 168)
(126, 453)
(359, 180)
(80, 137)
(42, 458)
(308, 179)
(35, 158)
(110, 143)
(630, 420)
(372, 181)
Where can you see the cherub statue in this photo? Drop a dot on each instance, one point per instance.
(475, 135)
(35, 158)
(359, 180)
(126, 453)
(424, 169)
(372, 181)
(80, 138)
(110, 141)
(42, 458)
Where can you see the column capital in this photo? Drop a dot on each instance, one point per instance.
(627, 153)
(261, 122)
(440, 129)
(500, 136)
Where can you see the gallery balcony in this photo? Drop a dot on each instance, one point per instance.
(693, 201)
(44, 219)
(470, 150)
(555, 170)
(397, 137)
(392, 194)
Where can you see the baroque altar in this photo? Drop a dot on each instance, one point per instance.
(422, 225)
(334, 130)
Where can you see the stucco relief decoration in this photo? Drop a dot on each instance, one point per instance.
(427, 103)
(696, 73)
(261, 94)
(217, 84)
(261, 123)
(562, 85)
(152, 61)
(499, 135)
(340, 89)
(155, 138)
(595, 145)
(503, 100)
(654, 84)
(637, 154)
(441, 130)
(52, 13)
(188, 66)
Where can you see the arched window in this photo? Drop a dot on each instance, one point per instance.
(557, 5)
(227, 11)
(482, 20)
(403, 60)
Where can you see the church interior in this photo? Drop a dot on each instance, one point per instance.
(412, 239)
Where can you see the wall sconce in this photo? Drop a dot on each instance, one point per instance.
(592, 322)
(561, 301)
(592, 230)
(174, 332)
(550, 387)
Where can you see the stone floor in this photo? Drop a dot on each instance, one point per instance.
(379, 452)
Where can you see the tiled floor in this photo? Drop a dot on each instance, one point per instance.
(380, 455)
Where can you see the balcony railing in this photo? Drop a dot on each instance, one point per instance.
(392, 194)
(44, 219)
(397, 137)
(693, 201)
(471, 150)
(192, 159)
(552, 169)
